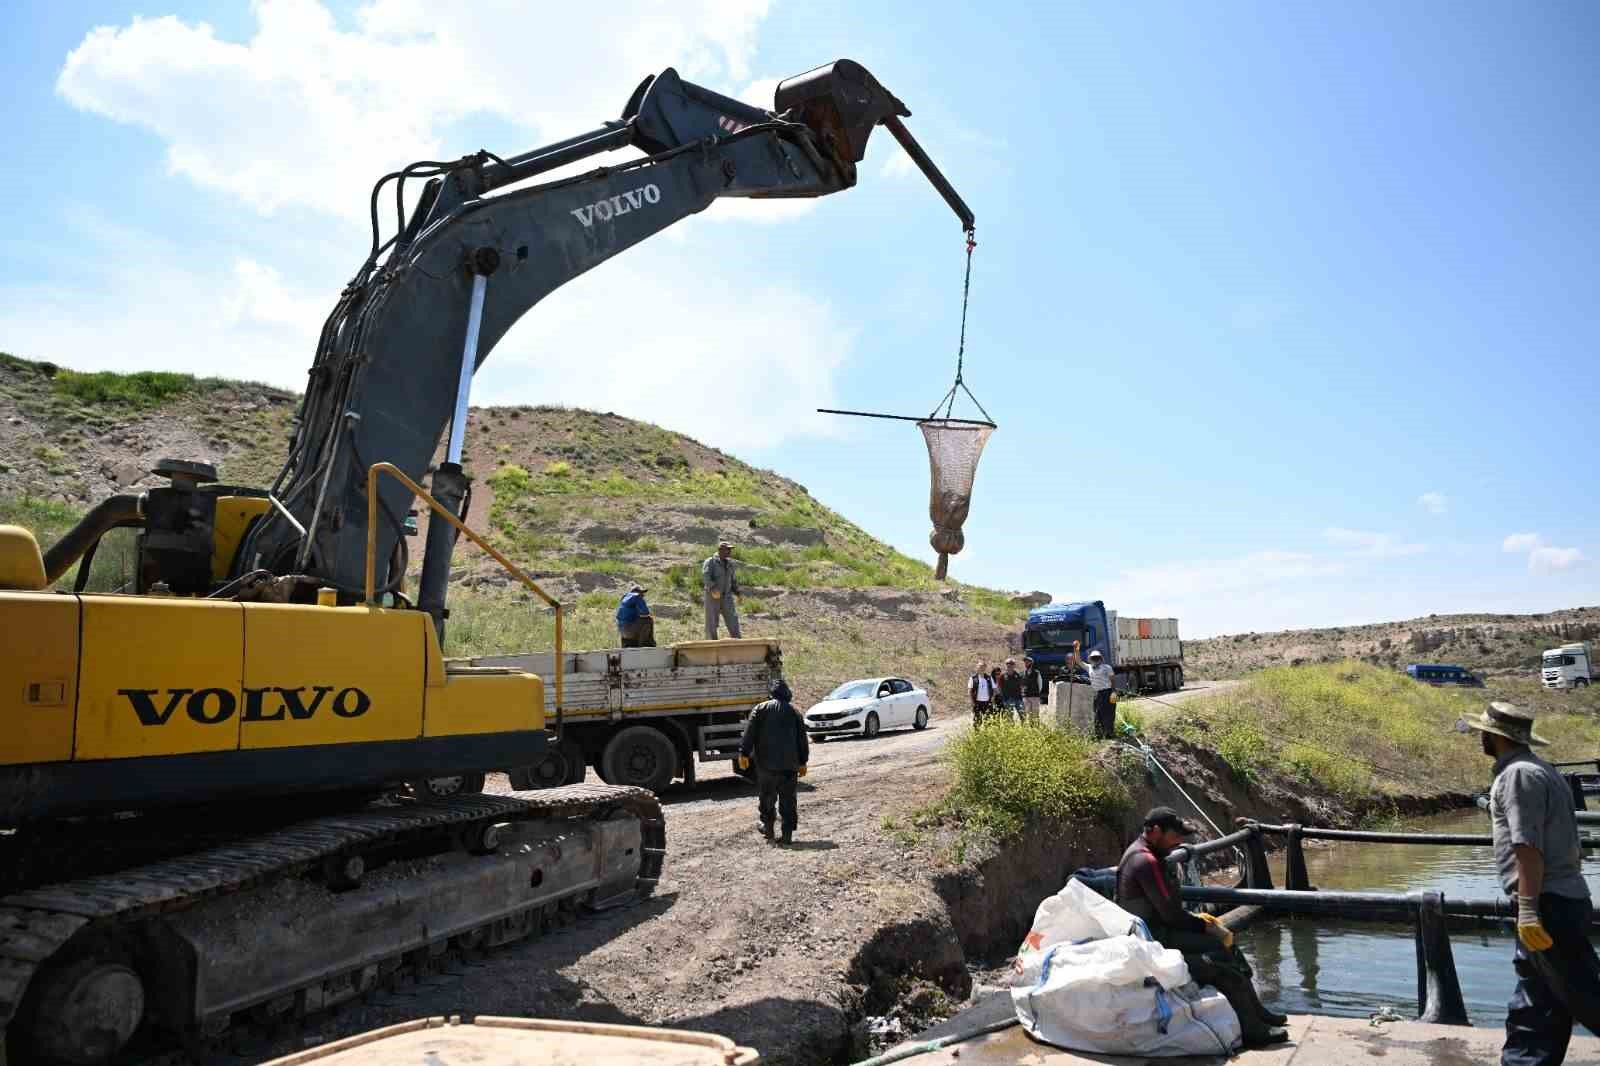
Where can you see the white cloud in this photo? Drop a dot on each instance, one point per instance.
(1543, 558)
(308, 113)
(1521, 542)
(1437, 502)
(1373, 545)
(1550, 560)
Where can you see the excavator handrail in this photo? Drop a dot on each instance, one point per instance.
(512, 568)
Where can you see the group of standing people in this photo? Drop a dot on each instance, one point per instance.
(1001, 693)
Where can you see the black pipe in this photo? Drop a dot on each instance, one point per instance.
(105, 515)
(448, 488)
(930, 171)
(1366, 837)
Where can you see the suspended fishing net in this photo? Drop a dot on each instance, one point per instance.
(953, 452)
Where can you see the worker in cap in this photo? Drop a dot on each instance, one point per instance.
(775, 740)
(721, 586)
(1011, 686)
(1149, 889)
(636, 627)
(1540, 862)
(1102, 679)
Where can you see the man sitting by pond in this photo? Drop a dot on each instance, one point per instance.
(1148, 888)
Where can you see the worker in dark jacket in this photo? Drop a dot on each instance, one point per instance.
(775, 738)
(1148, 889)
(1540, 859)
(1033, 690)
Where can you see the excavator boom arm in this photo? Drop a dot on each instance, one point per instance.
(389, 366)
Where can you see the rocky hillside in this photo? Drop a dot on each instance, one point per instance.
(1483, 643)
(587, 502)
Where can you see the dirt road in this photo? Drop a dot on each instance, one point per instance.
(742, 938)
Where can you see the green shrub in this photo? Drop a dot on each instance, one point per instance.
(137, 391)
(510, 480)
(1007, 773)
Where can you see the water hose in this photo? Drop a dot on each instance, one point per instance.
(906, 1051)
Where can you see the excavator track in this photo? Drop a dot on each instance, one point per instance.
(42, 926)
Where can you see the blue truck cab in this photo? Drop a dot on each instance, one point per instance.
(1050, 630)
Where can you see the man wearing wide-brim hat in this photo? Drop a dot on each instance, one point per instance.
(1540, 863)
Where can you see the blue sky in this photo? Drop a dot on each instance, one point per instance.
(1287, 312)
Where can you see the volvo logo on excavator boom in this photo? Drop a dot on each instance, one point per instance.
(213, 706)
(612, 206)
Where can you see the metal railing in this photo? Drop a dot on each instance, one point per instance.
(1431, 914)
(461, 527)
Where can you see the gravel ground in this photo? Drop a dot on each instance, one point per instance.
(742, 938)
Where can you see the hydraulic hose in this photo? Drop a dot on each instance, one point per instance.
(105, 515)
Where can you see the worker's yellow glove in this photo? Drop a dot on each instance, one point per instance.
(1113, 695)
(716, 594)
(1218, 930)
(1530, 930)
(800, 772)
(744, 762)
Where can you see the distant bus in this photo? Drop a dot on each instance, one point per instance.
(1443, 674)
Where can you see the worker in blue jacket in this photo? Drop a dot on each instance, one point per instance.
(635, 626)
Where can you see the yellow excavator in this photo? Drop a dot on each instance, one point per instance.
(204, 814)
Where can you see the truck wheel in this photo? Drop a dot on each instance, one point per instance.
(1177, 679)
(548, 772)
(640, 756)
(1580, 682)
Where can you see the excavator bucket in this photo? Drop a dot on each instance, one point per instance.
(841, 102)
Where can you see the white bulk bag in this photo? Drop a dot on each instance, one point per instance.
(1091, 979)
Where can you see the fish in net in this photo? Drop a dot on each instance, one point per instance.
(954, 448)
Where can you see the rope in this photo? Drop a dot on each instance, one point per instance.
(949, 400)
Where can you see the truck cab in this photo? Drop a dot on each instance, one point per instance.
(1569, 666)
(1049, 632)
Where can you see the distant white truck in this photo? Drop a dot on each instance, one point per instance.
(646, 716)
(1569, 666)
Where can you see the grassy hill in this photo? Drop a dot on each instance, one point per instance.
(587, 502)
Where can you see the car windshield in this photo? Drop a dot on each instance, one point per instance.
(853, 690)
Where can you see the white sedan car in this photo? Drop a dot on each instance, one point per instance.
(869, 705)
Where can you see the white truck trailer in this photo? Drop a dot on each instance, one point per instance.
(646, 716)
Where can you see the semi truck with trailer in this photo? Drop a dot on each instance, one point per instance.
(1145, 653)
(1569, 666)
